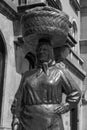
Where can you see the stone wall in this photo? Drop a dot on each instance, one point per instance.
(73, 17)
(84, 107)
(84, 23)
(11, 79)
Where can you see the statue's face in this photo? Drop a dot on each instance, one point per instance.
(44, 53)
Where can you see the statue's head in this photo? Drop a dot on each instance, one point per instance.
(44, 50)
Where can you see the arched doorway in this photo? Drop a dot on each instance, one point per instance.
(2, 68)
(31, 59)
(74, 33)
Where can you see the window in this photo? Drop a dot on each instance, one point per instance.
(22, 2)
(27, 2)
(31, 59)
(34, 1)
(74, 30)
(74, 33)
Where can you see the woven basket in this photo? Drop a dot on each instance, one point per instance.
(45, 22)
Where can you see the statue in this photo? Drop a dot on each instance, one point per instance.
(38, 101)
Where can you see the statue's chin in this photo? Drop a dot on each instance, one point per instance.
(42, 60)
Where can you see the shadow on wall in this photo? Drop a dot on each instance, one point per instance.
(24, 63)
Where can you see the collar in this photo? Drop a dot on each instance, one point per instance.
(48, 64)
(44, 66)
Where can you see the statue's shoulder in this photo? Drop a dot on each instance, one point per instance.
(29, 73)
(60, 66)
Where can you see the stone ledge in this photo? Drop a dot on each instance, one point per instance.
(4, 128)
(77, 57)
(71, 40)
(23, 8)
(75, 69)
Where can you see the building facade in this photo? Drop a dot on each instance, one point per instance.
(83, 51)
(13, 53)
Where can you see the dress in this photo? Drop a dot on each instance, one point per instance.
(39, 95)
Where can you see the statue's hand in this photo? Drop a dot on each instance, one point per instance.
(61, 109)
(15, 124)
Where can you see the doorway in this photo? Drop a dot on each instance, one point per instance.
(74, 118)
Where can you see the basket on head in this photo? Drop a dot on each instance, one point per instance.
(45, 22)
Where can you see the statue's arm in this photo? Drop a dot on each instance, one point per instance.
(17, 104)
(71, 89)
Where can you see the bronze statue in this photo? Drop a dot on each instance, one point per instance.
(38, 102)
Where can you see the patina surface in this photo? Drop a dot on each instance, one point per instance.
(39, 96)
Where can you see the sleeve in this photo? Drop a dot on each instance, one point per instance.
(71, 89)
(17, 103)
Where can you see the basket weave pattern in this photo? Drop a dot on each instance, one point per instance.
(45, 20)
